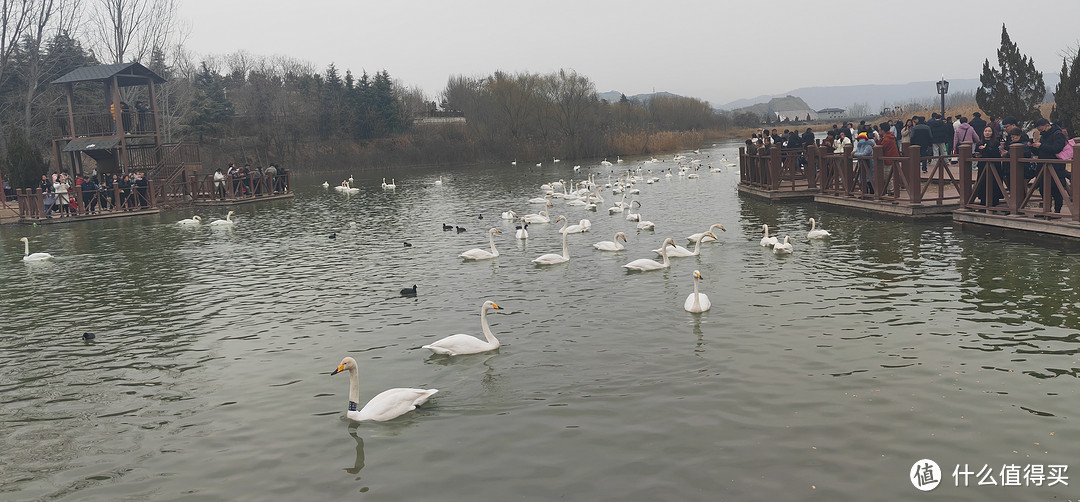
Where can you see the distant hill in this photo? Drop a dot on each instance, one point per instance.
(615, 96)
(873, 95)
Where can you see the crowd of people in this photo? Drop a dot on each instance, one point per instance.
(938, 138)
(246, 181)
(67, 196)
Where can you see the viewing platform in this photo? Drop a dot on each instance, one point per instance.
(959, 187)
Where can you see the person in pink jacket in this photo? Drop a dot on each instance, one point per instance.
(964, 134)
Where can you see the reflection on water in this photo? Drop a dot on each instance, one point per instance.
(836, 367)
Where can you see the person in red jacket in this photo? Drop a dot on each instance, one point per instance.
(888, 141)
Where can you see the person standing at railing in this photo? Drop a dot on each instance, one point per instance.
(1051, 141)
(940, 137)
(890, 149)
(219, 183)
(988, 147)
(63, 199)
(271, 178)
(922, 137)
(864, 154)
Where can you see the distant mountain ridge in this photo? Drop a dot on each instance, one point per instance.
(615, 96)
(843, 96)
(874, 95)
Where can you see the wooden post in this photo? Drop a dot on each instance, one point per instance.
(914, 174)
(879, 172)
(965, 175)
(1017, 183)
(1073, 189)
(774, 167)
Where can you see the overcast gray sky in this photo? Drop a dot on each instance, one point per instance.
(714, 50)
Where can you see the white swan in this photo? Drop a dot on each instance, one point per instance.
(392, 185)
(767, 241)
(523, 230)
(816, 233)
(631, 215)
(605, 162)
(456, 345)
(346, 187)
(438, 182)
(677, 251)
(509, 215)
(581, 226)
(539, 200)
(645, 264)
(708, 234)
(645, 224)
(226, 222)
(27, 256)
(351, 181)
(783, 247)
(697, 302)
(613, 244)
(194, 220)
(387, 404)
(551, 258)
(326, 184)
(482, 254)
(618, 160)
(540, 217)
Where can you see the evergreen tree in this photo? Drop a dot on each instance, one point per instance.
(1015, 89)
(25, 162)
(1066, 111)
(210, 108)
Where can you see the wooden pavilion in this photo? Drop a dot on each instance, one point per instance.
(118, 137)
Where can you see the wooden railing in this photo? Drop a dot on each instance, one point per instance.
(33, 204)
(231, 188)
(996, 177)
(103, 124)
(777, 169)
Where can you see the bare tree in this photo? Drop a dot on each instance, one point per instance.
(130, 30)
(49, 18)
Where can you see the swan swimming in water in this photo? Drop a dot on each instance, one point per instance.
(816, 233)
(697, 302)
(581, 226)
(539, 217)
(226, 222)
(522, 230)
(438, 182)
(677, 251)
(509, 215)
(194, 220)
(645, 264)
(326, 184)
(551, 258)
(783, 247)
(387, 405)
(27, 256)
(708, 235)
(481, 254)
(613, 244)
(460, 344)
(767, 241)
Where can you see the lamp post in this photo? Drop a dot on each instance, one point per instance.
(943, 89)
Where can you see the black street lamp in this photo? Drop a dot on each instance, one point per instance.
(943, 89)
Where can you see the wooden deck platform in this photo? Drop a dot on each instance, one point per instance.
(56, 218)
(240, 200)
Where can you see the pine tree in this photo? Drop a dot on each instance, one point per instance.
(1066, 111)
(1015, 89)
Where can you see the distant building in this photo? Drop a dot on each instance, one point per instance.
(831, 113)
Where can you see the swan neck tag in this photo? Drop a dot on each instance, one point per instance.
(352, 405)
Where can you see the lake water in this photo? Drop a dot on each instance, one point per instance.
(822, 375)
